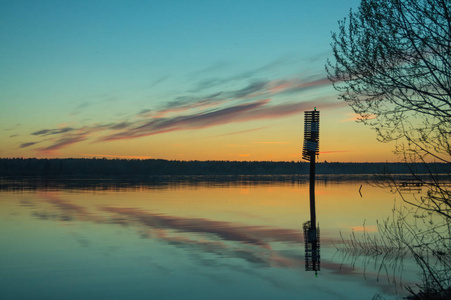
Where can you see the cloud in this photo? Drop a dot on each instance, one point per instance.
(214, 67)
(64, 142)
(213, 82)
(25, 145)
(183, 103)
(144, 112)
(260, 109)
(242, 131)
(256, 100)
(53, 131)
(254, 90)
(158, 81)
(255, 87)
(120, 125)
(296, 85)
(146, 126)
(41, 132)
(193, 121)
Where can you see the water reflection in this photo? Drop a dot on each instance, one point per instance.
(164, 182)
(312, 247)
(241, 240)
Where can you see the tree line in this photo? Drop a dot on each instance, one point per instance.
(151, 167)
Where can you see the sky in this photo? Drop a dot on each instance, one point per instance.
(178, 80)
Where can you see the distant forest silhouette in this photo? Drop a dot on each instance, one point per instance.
(151, 167)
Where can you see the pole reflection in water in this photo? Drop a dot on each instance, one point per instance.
(312, 248)
(311, 231)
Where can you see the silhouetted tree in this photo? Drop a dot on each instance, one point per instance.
(393, 67)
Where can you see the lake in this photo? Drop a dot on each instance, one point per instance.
(191, 239)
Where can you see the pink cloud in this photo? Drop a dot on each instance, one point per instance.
(187, 113)
(194, 121)
(62, 143)
(259, 109)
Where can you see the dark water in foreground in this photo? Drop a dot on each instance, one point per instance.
(189, 241)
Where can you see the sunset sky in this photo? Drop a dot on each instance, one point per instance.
(185, 80)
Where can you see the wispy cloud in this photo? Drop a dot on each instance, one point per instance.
(257, 100)
(296, 85)
(121, 125)
(53, 131)
(251, 89)
(260, 109)
(242, 131)
(158, 81)
(214, 67)
(25, 145)
(144, 112)
(213, 82)
(193, 121)
(183, 103)
(64, 142)
(147, 126)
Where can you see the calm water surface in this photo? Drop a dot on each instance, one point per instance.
(190, 241)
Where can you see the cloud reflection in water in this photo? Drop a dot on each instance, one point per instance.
(209, 243)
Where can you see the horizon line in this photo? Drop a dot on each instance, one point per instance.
(195, 160)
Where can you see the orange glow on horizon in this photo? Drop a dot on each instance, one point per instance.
(118, 156)
(372, 228)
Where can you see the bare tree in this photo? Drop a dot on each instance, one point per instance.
(392, 65)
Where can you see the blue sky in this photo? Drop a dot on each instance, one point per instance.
(161, 76)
